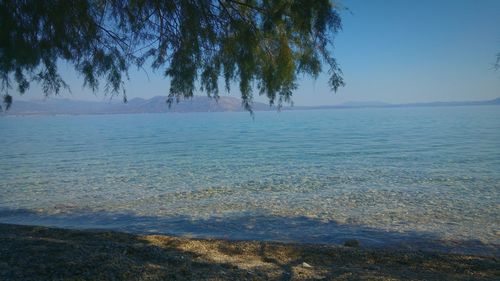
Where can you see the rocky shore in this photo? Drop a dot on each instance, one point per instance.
(40, 253)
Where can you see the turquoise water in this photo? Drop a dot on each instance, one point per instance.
(392, 175)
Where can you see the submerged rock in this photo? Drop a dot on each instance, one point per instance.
(351, 243)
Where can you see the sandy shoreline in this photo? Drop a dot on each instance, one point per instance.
(41, 253)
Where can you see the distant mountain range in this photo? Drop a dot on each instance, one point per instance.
(137, 105)
(385, 105)
(196, 104)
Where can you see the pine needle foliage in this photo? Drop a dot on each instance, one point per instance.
(260, 45)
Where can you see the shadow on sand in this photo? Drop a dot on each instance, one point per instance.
(251, 227)
(40, 253)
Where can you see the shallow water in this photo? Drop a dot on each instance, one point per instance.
(379, 175)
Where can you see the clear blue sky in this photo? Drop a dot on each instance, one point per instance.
(394, 51)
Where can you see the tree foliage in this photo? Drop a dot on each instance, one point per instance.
(261, 45)
(497, 63)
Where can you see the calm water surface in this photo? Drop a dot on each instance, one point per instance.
(393, 175)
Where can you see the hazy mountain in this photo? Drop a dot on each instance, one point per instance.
(137, 105)
(374, 104)
(364, 104)
(196, 104)
(58, 106)
(452, 103)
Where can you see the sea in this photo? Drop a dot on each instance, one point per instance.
(422, 178)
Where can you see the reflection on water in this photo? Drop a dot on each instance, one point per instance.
(425, 170)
